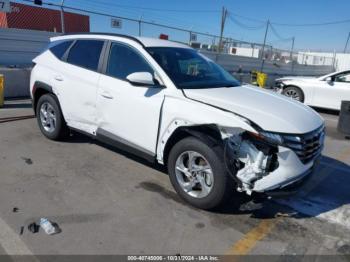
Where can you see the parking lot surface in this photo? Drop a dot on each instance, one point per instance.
(109, 202)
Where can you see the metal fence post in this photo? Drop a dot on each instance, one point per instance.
(62, 18)
(140, 27)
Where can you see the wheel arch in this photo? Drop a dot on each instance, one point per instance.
(209, 133)
(295, 86)
(40, 89)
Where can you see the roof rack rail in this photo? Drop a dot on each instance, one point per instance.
(109, 34)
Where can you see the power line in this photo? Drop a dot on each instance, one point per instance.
(294, 25)
(248, 27)
(314, 24)
(128, 19)
(157, 17)
(282, 39)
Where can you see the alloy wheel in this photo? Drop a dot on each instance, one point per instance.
(48, 117)
(194, 174)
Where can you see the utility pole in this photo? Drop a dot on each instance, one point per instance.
(223, 20)
(346, 45)
(62, 18)
(263, 49)
(140, 24)
(291, 54)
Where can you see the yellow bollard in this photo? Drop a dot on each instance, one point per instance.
(261, 79)
(2, 90)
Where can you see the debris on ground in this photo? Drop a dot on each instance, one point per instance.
(33, 227)
(21, 231)
(27, 160)
(49, 227)
(280, 214)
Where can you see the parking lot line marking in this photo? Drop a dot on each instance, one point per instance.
(11, 242)
(250, 239)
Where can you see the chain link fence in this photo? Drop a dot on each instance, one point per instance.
(63, 19)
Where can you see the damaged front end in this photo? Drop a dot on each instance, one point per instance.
(263, 163)
(249, 159)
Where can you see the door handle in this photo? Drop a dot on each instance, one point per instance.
(59, 78)
(106, 94)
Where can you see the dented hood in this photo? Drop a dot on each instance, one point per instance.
(271, 111)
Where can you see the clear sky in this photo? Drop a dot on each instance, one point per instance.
(205, 15)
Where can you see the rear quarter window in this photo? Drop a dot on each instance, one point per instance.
(58, 49)
(86, 53)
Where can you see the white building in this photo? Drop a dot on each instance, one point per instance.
(340, 61)
(245, 51)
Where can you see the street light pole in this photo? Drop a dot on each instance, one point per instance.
(263, 49)
(62, 18)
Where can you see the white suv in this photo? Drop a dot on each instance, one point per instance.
(168, 103)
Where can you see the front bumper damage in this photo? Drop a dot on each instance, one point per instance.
(289, 171)
(275, 172)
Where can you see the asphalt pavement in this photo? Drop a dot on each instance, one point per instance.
(109, 202)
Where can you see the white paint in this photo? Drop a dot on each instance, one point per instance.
(342, 60)
(320, 92)
(92, 101)
(143, 78)
(270, 111)
(245, 51)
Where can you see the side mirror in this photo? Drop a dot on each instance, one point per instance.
(141, 79)
(329, 79)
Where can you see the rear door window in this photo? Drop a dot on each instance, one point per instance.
(86, 54)
(58, 49)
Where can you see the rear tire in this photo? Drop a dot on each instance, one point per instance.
(50, 118)
(294, 92)
(205, 190)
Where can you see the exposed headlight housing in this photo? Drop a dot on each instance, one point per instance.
(271, 138)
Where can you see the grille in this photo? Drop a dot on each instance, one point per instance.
(307, 146)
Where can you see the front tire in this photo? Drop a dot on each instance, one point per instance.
(294, 92)
(50, 118)
(198, 175)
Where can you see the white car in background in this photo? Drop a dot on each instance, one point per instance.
(325, 92)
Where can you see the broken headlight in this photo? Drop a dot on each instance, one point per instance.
(268, 137)
(272, 138)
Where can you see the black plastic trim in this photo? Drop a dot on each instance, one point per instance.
(113, 140)
(108, 34)
(39, 85)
